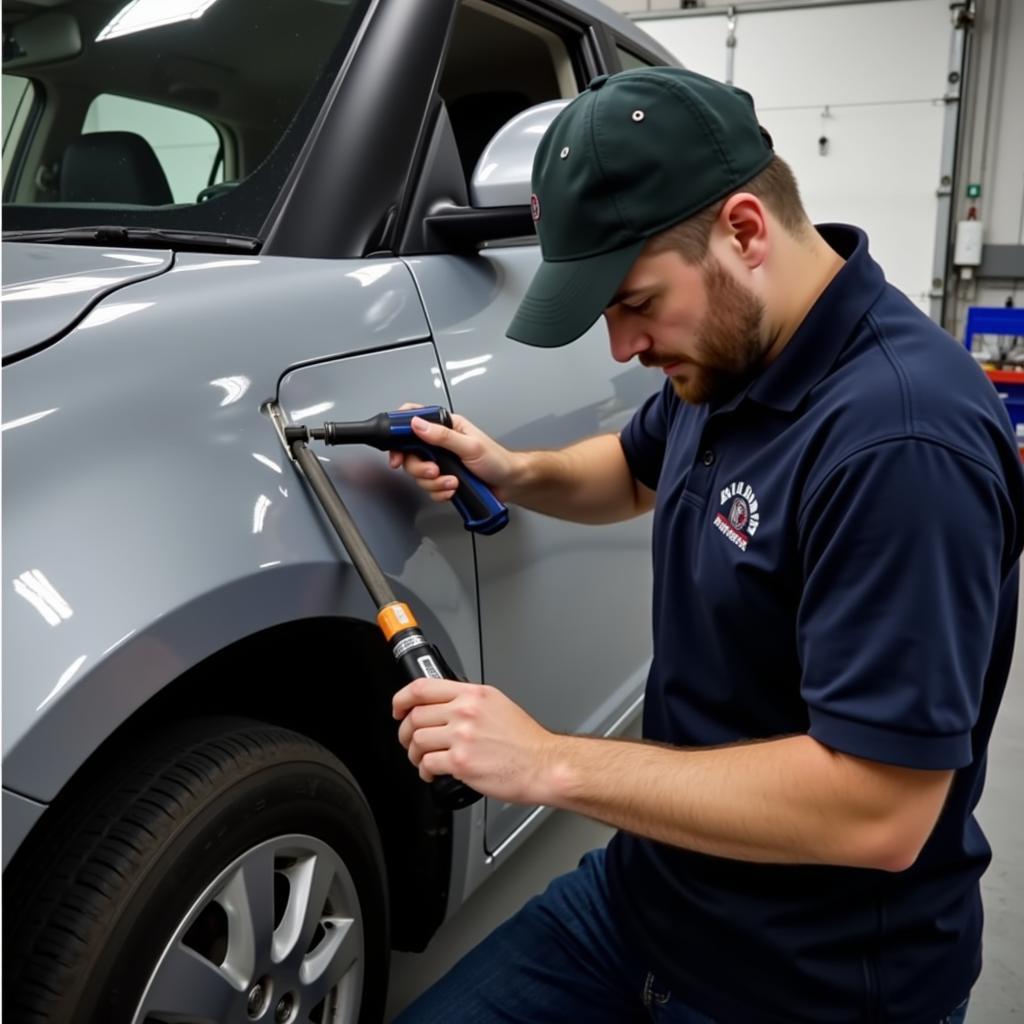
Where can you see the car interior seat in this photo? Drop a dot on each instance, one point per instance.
(113, 167)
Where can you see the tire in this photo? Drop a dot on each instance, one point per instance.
(228, 871)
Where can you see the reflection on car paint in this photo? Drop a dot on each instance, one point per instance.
(259, 513)
(465, 364)
(234, 388)
(298, 415)
(55, 286)
(24, 421)
(117, 643)
(142, 261)
(66, 677)
(381, 313)
(468, 374)
(370, 275)
(108, 314)
(267, 462)
(184, 268)
(43, 596)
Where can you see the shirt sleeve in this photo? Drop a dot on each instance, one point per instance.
(643, 438)
(907, 548)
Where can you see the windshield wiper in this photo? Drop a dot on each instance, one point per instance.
(114, 234)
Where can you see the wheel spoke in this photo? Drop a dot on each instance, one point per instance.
(248, 901)
(310, 881)
(333, 958)
(187, 987)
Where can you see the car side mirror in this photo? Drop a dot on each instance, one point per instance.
(502, 174)
(499, 188)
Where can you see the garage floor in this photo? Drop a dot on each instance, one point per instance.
(999, 995)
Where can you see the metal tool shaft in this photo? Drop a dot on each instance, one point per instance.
(364, 562)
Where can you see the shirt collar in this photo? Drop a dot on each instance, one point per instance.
(828, 326)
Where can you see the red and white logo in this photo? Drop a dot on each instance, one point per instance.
(738, 516)
(534, 207)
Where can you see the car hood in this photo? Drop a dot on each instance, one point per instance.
(48, 289)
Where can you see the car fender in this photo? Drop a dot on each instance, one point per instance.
(47, 288)
(152, 516)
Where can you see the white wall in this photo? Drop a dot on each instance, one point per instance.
(875, 94)
(862, 61)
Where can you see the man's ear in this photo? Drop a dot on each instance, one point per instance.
(743, 227)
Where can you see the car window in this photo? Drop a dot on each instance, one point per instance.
(186, 146)
(631, 61)
(164, 98)
(499, 63)
(18, 97)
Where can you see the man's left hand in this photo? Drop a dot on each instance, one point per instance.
(478, 735)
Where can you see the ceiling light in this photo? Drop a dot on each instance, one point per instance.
(140, 15)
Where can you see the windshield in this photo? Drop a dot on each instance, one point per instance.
(182, 115)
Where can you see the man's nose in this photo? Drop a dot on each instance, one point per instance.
(626, 340)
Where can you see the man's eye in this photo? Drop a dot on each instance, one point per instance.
(641, 307)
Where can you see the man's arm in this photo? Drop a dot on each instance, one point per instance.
(788, 800)
(588, 482)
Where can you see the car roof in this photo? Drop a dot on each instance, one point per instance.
(594, 10)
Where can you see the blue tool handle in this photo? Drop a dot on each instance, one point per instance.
(481, 511)
(400, 421)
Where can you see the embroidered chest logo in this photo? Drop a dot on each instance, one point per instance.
(738, 517)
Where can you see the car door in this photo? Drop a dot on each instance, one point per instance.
(564, 608)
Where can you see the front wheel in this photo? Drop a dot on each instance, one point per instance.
(232, 872)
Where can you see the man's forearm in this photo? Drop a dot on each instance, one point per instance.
(588, 482)
(788, 800)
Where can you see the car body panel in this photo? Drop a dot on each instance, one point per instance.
(417, 542)
(548, 588)
(48, 288)
(19, 815)
(157, 517)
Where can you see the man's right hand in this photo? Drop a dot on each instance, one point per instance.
(478, 452)
(588, 482)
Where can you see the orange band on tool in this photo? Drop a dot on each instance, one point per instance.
(393, 618)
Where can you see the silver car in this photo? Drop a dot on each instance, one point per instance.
(215, 208)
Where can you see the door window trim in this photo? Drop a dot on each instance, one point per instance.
(25, 122)
(587, 57)
(619, 43)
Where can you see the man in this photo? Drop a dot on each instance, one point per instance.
(838, 498)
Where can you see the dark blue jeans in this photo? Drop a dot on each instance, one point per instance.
(559, 960)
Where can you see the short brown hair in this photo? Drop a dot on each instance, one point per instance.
(775, 186)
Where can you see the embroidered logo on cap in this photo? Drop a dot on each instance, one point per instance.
(535, 207)
(738, 517)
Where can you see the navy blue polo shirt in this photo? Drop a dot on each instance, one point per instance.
(835, 553)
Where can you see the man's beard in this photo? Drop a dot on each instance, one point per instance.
(729, 344)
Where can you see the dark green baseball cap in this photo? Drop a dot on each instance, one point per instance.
(633, 155)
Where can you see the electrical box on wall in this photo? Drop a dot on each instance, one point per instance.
(967, 247)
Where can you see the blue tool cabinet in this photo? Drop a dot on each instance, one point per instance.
(1008, 383)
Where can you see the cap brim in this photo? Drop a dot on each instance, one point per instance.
(565, 298)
